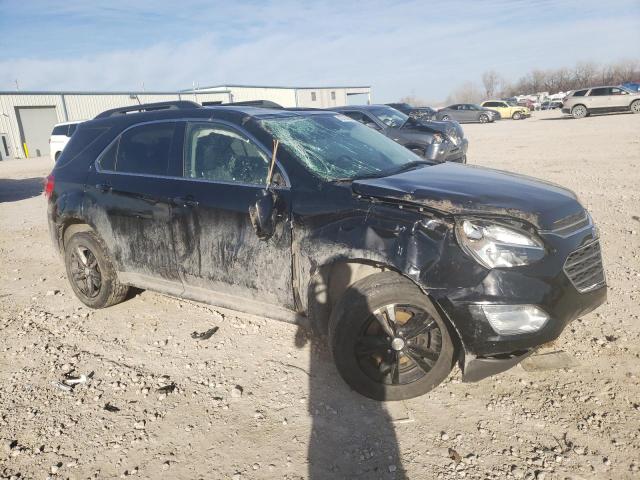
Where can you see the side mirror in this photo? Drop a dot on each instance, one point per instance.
(263, 214)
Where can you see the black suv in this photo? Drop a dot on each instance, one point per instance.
(308, 216)
(434, 140)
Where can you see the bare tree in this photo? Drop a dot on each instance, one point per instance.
(492, 82)
(468, 92)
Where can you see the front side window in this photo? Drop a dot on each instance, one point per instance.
(617, 91)
(219, 153)
(143, 149)
(335, 147)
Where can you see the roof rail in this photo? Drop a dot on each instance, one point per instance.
(254, 103)
(150, 107)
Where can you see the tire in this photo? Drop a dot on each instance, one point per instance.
(445, 118)
(579, 111)
(91, 273)
(516, 116)
(635, 106)
(379, 366)
(483, 118)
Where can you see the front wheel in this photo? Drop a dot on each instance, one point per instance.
(579, 111)
(445, 118)
(90, 272)
(388, 340)
(484, 118)
(517, 116)
(635, 106)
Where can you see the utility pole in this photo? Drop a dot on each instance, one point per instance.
(17, 85)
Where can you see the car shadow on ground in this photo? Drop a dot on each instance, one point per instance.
(352, 437)
(13, 190)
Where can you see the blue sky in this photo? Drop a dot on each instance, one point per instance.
(399, 47)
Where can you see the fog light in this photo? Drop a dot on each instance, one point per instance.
(515, 319)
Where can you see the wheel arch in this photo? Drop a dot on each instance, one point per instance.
(332, 279)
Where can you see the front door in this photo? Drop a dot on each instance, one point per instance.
(128, 202)
(217, 249)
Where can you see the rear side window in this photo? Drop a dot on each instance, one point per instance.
(144, 149)
(579, 93)
(60, 130)
(599, 92)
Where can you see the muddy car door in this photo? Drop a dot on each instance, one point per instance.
(219, 254)
(127, 201)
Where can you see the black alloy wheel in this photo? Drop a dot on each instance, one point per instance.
(398, 345)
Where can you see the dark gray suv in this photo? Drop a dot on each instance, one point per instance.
(433, 140)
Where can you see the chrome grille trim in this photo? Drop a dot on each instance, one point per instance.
(583, 267)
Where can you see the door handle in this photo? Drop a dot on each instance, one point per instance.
(104, 187)
(188, 201)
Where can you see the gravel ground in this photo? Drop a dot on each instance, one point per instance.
(261, 400)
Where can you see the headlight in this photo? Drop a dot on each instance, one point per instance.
(453, 136)
(496, 245)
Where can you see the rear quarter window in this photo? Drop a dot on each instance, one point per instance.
(579, 93)
(80, 142)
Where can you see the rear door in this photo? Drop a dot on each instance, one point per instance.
(128, 201)
(598, 99)
(216, 246)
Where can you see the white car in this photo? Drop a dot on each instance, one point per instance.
(60, 137)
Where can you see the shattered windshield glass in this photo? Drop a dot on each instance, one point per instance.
(335, 147)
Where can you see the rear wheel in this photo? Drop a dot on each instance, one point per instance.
(445, 118)
(516, 116)
(483, 118)
(579, 111)
(635, 106)
(387, 339)
(91, 273)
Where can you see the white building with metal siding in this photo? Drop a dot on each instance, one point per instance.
(26, 118)
(312, 97)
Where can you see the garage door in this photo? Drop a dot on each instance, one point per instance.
(35, 125)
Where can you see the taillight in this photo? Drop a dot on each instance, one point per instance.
(48, 186)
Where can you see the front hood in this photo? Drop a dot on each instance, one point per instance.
(452, 188)
(432, 126)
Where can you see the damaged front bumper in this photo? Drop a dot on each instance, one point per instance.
(447, 151)
(555, 290)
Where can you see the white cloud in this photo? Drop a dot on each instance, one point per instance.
(398, 47)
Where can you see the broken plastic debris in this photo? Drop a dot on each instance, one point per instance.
(204, 335)
(68, 383)
(167, 388)
(111, 408)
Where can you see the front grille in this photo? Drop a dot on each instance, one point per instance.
(584, 268)
(571, 224)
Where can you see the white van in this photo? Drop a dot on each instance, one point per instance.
(60, 137)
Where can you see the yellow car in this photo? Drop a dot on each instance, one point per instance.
(507, 110)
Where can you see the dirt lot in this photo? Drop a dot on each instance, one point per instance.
(260, 400)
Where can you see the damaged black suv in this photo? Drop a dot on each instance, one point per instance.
(408, 265)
